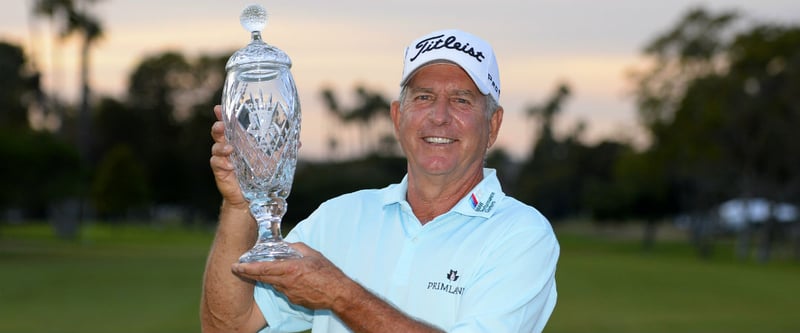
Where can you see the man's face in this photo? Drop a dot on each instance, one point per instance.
(442, 124)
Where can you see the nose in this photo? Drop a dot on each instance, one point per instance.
(440, 112)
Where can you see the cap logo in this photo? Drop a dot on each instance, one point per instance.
(436, 42)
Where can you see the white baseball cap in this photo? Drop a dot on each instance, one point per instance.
(471, 53)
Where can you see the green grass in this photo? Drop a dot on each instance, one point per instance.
(129, 279)
(142, 279)
(609, 286)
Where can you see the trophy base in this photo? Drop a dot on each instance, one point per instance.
(269, 251)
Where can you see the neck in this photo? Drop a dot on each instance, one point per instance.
(430, 195)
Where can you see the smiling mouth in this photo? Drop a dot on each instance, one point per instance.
(438, 140)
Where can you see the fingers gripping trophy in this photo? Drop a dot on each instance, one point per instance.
(261, 113)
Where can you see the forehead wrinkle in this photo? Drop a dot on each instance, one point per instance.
(451, 92)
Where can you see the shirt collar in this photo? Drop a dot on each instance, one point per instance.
(396, 193)
(480, 201)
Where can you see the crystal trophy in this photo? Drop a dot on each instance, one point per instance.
(261, 113)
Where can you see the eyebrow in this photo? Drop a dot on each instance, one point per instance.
(418, 90)
(464, 92)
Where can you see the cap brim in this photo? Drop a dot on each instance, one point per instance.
(481, 87)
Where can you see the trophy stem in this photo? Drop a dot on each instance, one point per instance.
(270, 245)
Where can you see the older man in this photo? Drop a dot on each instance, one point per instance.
(443, 250)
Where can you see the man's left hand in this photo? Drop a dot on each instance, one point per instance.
(311, 281)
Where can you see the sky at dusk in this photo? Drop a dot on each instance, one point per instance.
(588, 44)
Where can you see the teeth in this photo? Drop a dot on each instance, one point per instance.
(438, 140)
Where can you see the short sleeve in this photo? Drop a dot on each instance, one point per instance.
(281, 315)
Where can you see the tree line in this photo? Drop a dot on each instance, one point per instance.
(718, 99)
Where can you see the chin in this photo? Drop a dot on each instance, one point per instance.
(438, 168)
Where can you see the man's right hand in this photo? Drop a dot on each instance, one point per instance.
(222, 166)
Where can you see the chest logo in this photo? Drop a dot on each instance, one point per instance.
(453, 275)
(449, 288)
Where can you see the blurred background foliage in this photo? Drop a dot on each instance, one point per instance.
(718, 99)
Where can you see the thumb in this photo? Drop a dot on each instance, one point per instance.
(304, 249)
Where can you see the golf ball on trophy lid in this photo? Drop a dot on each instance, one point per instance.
(253, 18)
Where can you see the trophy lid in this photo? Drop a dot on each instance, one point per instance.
(253, 19)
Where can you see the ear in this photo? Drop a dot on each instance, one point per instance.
(494, 123)
(394, 112)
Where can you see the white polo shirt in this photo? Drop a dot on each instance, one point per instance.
(487, 265)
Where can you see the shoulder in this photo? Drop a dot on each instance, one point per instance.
(516, 225)
(520, 214)
(359, 198)
(348, 206)
(341, 215)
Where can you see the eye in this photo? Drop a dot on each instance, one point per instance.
(423, 97)
(462, 101)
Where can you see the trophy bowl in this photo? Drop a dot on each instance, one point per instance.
(261, 113)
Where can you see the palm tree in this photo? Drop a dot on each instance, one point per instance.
(370, 107)
(545, 114)
(76, 21)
